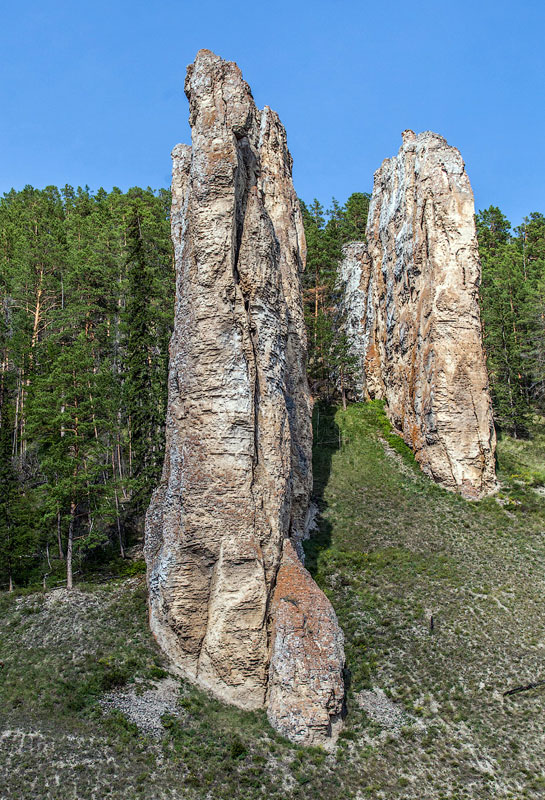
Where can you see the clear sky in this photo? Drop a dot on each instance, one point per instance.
(91, 91)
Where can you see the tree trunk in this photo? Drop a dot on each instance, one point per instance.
(316, 276)
(69, 547)
(16, 420)
(59, 536)
(37, 315)
(121, 548)
(130, 447)
(508, 368)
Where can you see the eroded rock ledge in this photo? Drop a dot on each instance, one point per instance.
(411, 302)
(225, 523)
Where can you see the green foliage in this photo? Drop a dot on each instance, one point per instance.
(376, 412)
(512, 302)
(17, 535)
(146, 323)
(87, 287)
(392, 549)
(238, 750)
(350, 221)
(331, 368)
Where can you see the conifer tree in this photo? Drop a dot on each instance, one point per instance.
(506, 303)
(64, 330)
(331, 368)
(16, 535)
(146, 337)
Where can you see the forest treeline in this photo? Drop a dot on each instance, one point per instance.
(512, 298)
(87, 286)
(513, 313)
(87, 290)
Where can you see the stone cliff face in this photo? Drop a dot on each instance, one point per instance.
(358, 317)
(414, 289)
(234, 495)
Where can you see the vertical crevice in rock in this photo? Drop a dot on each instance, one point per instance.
(237, 475)
(418, 274)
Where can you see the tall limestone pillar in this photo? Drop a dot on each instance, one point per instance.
(230, 602)
(412, 303)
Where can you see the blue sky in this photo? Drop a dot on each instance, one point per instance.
(92, 92)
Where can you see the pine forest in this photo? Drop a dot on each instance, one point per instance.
(87, 294)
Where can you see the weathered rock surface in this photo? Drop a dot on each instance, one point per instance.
(237, 474)
(358, 317)
(414, 288)
(306, 689)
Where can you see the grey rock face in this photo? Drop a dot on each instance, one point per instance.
(358, 316)
(306, 688)
(416, 297)
(237, 474)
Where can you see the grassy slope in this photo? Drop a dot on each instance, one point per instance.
(392, 550)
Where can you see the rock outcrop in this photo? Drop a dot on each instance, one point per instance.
(358, 317)
(306, 689)
(414, 290)
(232, 504)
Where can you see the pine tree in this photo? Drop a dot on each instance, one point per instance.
(531, 243)
(66, 303)
(323, 255)
(504, 303)
(331, 368)
(16, 535)
(146, 336)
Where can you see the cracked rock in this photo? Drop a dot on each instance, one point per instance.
(412, 307)
(237, 473)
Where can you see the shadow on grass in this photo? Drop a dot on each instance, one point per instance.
(327, 441)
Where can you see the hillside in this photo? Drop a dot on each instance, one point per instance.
(442, 605)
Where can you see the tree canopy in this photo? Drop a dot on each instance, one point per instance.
(87, 302)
